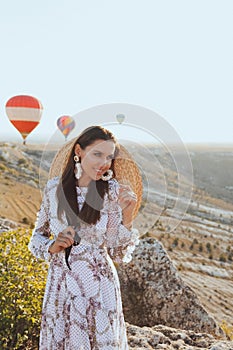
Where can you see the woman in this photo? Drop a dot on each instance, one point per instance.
(85, 220)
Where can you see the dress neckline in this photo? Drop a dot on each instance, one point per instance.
(81, 189)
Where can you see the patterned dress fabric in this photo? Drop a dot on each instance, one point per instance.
(82, 307)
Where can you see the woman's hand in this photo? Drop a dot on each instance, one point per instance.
(127, 200)
(64, 240)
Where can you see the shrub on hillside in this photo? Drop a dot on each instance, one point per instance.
(22, 281)
(3, 167)
(22, 161)
(228, 329)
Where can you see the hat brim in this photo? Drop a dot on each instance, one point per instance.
(125, 168)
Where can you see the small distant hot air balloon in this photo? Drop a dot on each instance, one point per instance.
(65, 124)
(24, 112)
(120, 118)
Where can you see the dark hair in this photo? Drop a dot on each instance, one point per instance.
(66, 191)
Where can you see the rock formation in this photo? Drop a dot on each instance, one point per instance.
(154, 294)
(162, 337)
(7, 225)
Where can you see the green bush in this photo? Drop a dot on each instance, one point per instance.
(175, 242)
(25, 221)
(222, 258)
(22, 161)
(22, 281)
(228, 329)
(208, 247)
(3, 167)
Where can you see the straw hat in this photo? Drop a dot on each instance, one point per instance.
(125, 168)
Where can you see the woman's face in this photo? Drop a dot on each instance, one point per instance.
(96, 159)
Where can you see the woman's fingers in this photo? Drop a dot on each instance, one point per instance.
(126, 196)
(69, 230)
(127, 200)
(125, 191)
(64, 240)
(129, 195)
(123, 188)
(66, 237)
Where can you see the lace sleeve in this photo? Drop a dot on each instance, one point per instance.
(41, 236)
(120, 241)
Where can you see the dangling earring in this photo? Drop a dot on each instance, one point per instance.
(109, 175)
(77, 168)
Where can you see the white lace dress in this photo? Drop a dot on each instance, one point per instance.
(82, 308)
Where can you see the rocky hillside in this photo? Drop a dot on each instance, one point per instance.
(161, 337)
(201, 243)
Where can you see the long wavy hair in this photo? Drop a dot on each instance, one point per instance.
(66, 191)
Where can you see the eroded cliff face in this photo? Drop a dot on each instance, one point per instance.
(153, 293)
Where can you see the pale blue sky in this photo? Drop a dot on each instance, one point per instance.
(174, 57)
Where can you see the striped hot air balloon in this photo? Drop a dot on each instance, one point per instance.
(24, 112)
(65, 124)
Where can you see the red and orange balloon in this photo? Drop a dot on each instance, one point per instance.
(24, 112)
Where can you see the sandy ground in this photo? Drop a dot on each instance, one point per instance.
(18, 201)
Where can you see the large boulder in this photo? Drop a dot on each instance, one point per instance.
(153, 293)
